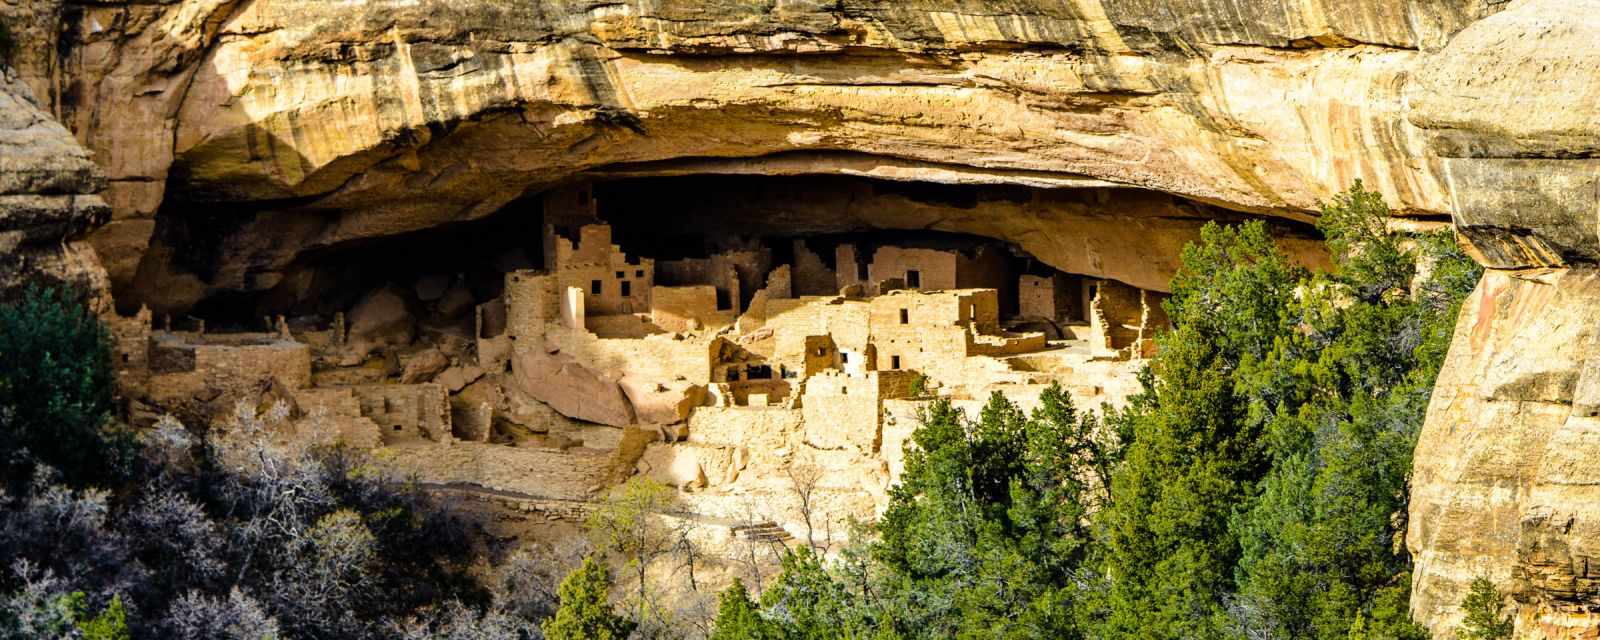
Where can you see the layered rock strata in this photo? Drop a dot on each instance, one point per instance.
(48, 201)
(269, 127)
(1506, 474)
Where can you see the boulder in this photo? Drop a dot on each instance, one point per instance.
(569, 387)
(381, 319)
(455, 303)
(662, 402)
(424, 366)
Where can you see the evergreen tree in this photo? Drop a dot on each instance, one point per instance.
(56, 391)
(1343, 397)
(1485, 609)
(739, 618)
(585, 613)
(1195, 453)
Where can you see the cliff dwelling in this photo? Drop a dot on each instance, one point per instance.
(711, 332)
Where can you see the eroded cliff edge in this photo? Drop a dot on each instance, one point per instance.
(1506, 472)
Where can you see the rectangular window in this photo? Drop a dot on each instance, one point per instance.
(845, 358)
(905, 316)
(894, 362)
(594, 287)
(621, 275)
(627, 288)
(639, 273)
(914, 279)
(861, 271)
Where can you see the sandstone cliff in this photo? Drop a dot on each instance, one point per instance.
(264, 129)
(48, 200)
(274, 126)
(1505, 473)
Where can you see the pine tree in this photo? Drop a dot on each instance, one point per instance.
(584, 613)
(56, 390)
(1485, 609)
(738, 617)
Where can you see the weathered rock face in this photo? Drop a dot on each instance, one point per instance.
(241, 135)
(260, 129)
(1506, 473)
(48, 201)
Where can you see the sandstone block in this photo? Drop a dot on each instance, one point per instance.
(570, 387)
(662, 402)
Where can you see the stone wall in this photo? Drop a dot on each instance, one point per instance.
(812, 277)
(929, 269)
(680, 309)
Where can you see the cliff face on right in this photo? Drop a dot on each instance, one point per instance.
(1506, 481)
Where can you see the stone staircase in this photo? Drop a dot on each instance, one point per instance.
(762, 532)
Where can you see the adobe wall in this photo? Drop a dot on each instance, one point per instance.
(845, 412)
(937, 269)
(1115, 314)
(612, 282)
(821, 354)
(407, 411)
(227, 369)
(978, 308)
(532, 300)
(568, 206)
(790, 320)
(130, 337)
(812, 277)
(1044, 296)
(703, 271)
(989, 268)
(850, 266)
(334, 414)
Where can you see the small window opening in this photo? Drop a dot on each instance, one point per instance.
(905, 316)
(397, 428)
(639, 273)
(845, 358)
(894, 362)
(759, 372)
(914, 279)
(594, 287)
(622, 274)
(627, 288)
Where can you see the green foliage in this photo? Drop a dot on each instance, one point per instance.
(739, 618)
(34, 613)
(56, 391)
(1196, 449)
(111, 624)
(584, 613)
(1265, 488)
(1485, 608)
(806, 602)
(985, 536)
(919, 386)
